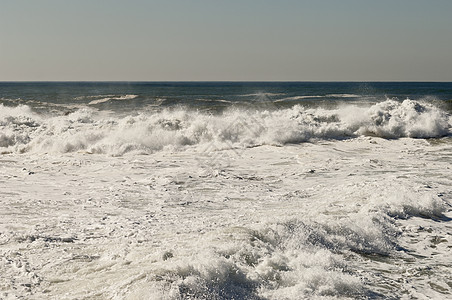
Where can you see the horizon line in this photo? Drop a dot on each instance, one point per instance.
(219, 81)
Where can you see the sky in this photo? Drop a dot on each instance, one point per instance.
(212, 40)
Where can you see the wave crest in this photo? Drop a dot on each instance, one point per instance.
(91, 131)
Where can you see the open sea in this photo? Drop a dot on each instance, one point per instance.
(225, 190)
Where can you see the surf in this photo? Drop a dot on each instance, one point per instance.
(178, 129)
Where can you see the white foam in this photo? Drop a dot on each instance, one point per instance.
(356, 218)
(393, 119)
(176, 130)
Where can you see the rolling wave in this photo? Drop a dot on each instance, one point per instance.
(112, 97)
(92, 131)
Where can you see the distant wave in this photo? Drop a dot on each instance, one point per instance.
(343, 95)
(298, 98)
(318, 96)
(93, 97)
(214, 100)
(175, 130)
(262, 94)
(111, 97)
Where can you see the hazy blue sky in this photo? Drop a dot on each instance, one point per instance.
(358, 40)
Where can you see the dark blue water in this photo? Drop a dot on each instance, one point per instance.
(214, 96)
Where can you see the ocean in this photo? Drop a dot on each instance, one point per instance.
(225, 190)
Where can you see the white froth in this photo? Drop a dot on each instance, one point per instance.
(86, 130)
(392, 119)
(203, 215)
(331, 220)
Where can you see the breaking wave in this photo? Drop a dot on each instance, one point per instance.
(296, 258)
(92, 131)
(102, 99)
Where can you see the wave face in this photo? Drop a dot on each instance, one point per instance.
(177, 129)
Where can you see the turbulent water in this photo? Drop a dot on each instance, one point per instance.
(225, 190)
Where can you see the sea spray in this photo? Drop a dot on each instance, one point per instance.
(178, 129)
